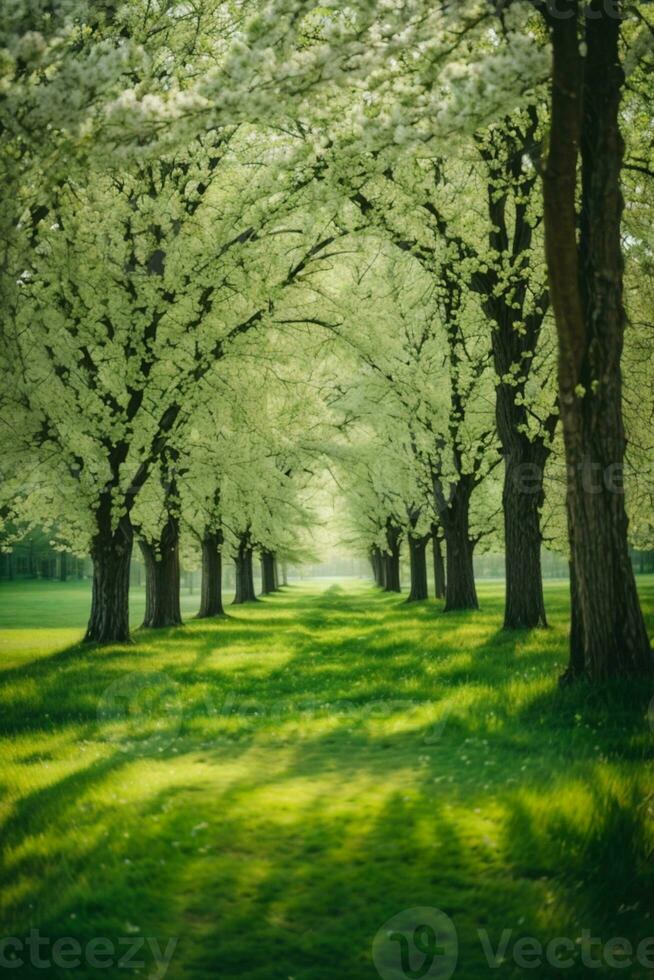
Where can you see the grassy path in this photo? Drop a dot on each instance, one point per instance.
(270, 789)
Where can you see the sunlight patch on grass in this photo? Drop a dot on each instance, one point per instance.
(18, 646)
(302, 770)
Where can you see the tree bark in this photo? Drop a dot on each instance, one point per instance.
(284, 573)
(460, 592)
(586, 284)
(392, 559)
(162, 578)
(111, 552)
(392, 582)
(524, 471)
(522, 498)
(211, 598)
(377, 562)
(439, 566)
(244, 576)
(268, 583)
(575, 667)
(418, 566)
(515, 335)
(149, 562)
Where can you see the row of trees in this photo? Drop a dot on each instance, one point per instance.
(257, 240)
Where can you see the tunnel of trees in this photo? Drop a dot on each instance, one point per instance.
(241, 275)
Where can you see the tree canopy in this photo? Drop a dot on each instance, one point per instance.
(250, 244)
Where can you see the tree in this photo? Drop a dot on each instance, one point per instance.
(495, 259)
(112, 363)
(158, 534)
(608, 634)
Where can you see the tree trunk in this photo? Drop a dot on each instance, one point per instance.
(439, 566)
(63, 566)
(244, 576)
(284, 573)
(575, 667)
(149, 563)
(460, 592)
(162, 578)
(268, 584)
(418, 564)
(515, 335)
(111, 552)
(522, 492)
(377, 562)
(586, 283)
(211, 598)
(522, 498)
(392, 573)
(392, 559)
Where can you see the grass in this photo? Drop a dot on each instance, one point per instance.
(271, 788)
(48, 604)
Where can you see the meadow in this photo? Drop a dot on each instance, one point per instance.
(261, 793)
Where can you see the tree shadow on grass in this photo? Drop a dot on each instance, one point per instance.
(301, 888)
(276, 837)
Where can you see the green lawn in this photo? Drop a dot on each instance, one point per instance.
(271, 788)
(44, 604)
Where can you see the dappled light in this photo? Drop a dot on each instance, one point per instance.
(326, 489)
(298, 772)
